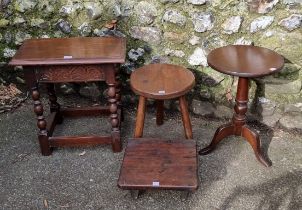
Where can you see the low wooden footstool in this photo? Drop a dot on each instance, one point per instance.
(157, 163)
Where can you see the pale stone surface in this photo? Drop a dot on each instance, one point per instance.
(3, 23)
(224, 112)
(263, 6)
(266, 107)
(198, 58)
(147, 34)
(18, 20)
(292, 1)
(38, 22)
(194, 40)
(8, 53)
(290, 87)
(202, 108)
(293, 107)
(203, 21)
(176, 53)
(134, 55)
(174, 16)
(21, 36)
(175, 37)
(64, 26)
(85, 29)
(272, 120)
(94, 10)
(292, 22)
(261, 23)
(24, 5)
(197, 2)
(291, 121)
(146, 12)
(232, 25)
(243, 41)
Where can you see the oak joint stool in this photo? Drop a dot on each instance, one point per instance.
(79, 59)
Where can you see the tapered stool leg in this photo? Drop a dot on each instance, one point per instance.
(159, 112)
(140, 117)
(185, 117)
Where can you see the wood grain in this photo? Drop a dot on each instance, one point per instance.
(159, 164)
(245, 60)
(162, 81)
(76, 50)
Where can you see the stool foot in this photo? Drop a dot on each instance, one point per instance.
(46, 150)
(136, 193)
(253, 138)
(116, 141)
(222, 132)
(185, 195)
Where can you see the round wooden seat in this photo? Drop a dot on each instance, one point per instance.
(162, 81)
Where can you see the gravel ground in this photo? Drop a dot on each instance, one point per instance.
(86, 178)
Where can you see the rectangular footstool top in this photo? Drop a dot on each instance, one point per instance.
(157, 163)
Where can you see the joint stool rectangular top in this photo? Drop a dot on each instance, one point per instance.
(76, 50)
(78, 59)
(159, 164)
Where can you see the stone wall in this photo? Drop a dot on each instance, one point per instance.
(180, 32)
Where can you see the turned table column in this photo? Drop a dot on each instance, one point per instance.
(245, 62)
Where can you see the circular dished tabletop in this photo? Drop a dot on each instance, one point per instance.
(245, 60)
(162, 81)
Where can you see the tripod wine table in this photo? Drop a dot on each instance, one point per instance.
(244, 62)
(77, 59)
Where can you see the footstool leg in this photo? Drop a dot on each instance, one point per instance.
(54, 105)
(185, 117)
(41, 122)
(140, 117)
(159, 112)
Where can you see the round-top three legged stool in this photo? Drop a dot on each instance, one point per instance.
(244, 62)
(152, 163)
(161, 82)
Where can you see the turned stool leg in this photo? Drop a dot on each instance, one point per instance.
(54, 105)
(118, 95)
(41, 122)
(115, 132)
(185, 117)
(159, 112)
(140, 117)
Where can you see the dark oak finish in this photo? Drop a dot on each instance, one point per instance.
(73, 60)
(245, 62)
(76, 50)
(159, 164)
(160, 82)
